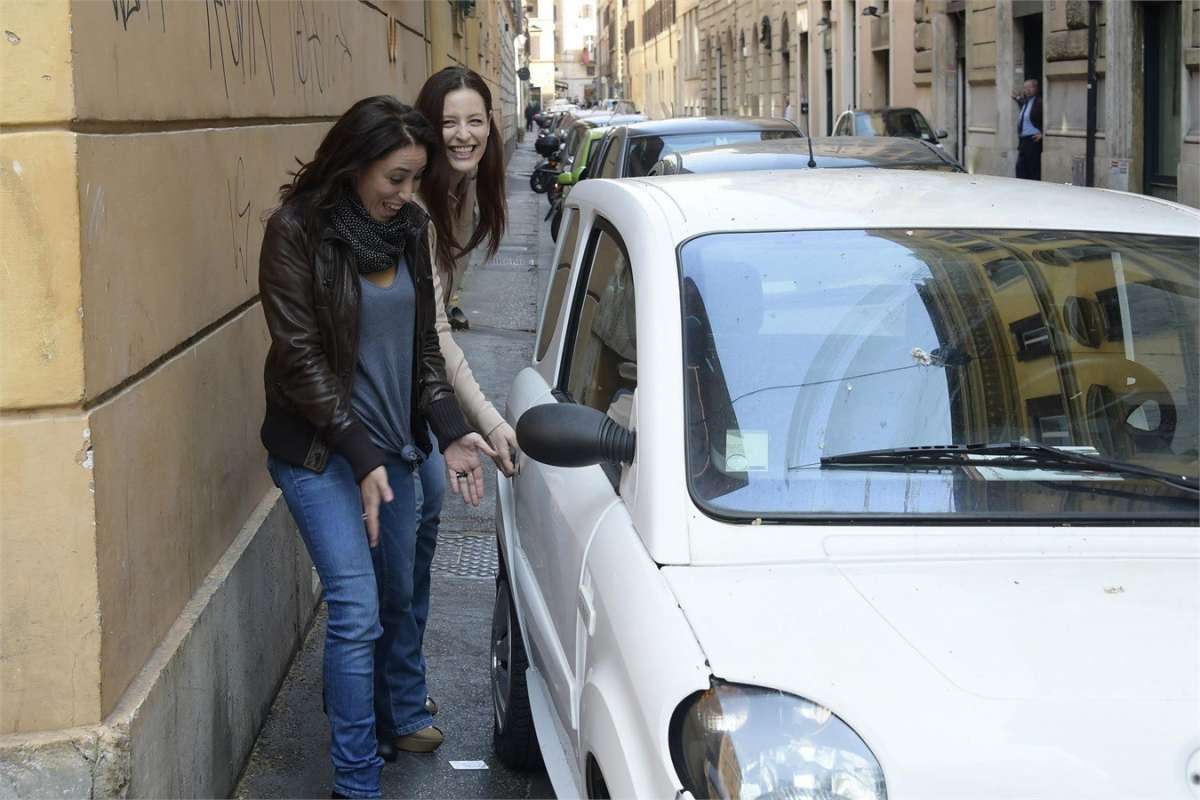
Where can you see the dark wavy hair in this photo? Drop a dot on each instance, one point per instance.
(371, 129)
(440, 176)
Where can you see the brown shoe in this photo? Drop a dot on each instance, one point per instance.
(425, 740)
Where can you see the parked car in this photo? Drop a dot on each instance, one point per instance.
(577, 167)
(822, 494)
(631, 150)
(841, 152)
(907, 123)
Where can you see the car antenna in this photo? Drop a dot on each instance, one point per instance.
(812, 161)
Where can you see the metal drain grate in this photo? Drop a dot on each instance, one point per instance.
(465, 556)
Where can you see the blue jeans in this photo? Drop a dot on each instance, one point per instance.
(369, 595)
(431, 490)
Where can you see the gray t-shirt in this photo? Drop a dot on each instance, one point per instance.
(382, 393)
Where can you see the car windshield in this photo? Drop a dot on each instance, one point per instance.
(800, 346)
(645, 151)
(903, 122)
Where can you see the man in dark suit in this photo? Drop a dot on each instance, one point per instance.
(1029, 131)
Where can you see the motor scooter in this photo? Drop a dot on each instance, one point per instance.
(544, 175)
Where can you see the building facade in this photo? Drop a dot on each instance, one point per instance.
(152, 585)
(958, 62)
(542, 39)
(575, 49)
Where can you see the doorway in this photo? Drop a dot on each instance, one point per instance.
(1162, 98)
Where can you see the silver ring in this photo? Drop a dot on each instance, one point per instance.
(462, 476)
(364, 516)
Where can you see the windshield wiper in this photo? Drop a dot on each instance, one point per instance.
(1026, 455)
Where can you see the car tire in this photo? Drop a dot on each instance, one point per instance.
(513, 737)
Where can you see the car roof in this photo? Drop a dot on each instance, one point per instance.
(829, 152)
(882, 109)
(816, 199)
(661, 127)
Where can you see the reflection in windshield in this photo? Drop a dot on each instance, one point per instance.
(645, 151)
(818, 343)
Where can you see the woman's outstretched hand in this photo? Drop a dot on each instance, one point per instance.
(375, 491)
(503, 440)
(466, 471)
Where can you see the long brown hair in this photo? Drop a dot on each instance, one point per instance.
(370, 130)
(440, 176)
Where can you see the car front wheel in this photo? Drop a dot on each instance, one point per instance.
(513, 736)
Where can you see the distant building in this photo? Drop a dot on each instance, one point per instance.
(958, 62)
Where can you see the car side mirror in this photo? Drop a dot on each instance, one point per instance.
(566, 179)
(573, 435)
(941, 133)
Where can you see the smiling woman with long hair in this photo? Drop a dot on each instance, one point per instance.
(463, 191)
(355, 382)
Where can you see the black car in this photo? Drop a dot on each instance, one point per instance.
(629, 151)
(835, 152)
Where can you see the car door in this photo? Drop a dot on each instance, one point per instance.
(558, 509)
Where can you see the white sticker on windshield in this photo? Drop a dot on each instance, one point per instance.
(746, 451)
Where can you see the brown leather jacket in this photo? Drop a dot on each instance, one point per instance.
(311, 298)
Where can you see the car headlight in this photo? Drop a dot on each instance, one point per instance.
(749, 742)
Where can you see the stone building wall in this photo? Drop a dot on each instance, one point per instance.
(152, 586)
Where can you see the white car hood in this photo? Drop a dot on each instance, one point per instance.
(1068, 676)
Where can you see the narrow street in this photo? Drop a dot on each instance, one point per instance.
(291, 757)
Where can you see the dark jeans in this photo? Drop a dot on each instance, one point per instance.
(1029, 158)
(431, 489)
(374, 677)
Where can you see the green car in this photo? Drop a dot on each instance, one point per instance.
(580, 142)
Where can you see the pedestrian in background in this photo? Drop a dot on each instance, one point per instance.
(529, 112)
(354, 381)
(1029, 131)
(788, 112)
(463, 192)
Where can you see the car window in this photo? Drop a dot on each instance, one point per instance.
(600, 368)
(556, 293)
(610, 167)
(843, 127)
(885, 340)
(596, 158)
(646, 151)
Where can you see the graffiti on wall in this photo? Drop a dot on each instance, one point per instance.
(241, 39)
(240, 34)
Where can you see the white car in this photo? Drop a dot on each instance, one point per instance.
(825, 495)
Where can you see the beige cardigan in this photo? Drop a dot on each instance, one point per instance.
(479, 412)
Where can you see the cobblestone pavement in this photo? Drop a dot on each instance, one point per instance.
(291, 757)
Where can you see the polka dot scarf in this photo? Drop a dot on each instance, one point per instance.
(377, 245)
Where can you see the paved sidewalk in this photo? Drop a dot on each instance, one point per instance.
(291, 757)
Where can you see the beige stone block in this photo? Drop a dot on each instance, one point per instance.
(1077, 14)
(923, 61)
(42, 363)
(35, 61)
(920, 13)
(983, 57)
(49, 614)
(408, 13)
(239, 58)
(923, 37)
(178, 470)
(1068, 45)
(172, 225)
(982, 26)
